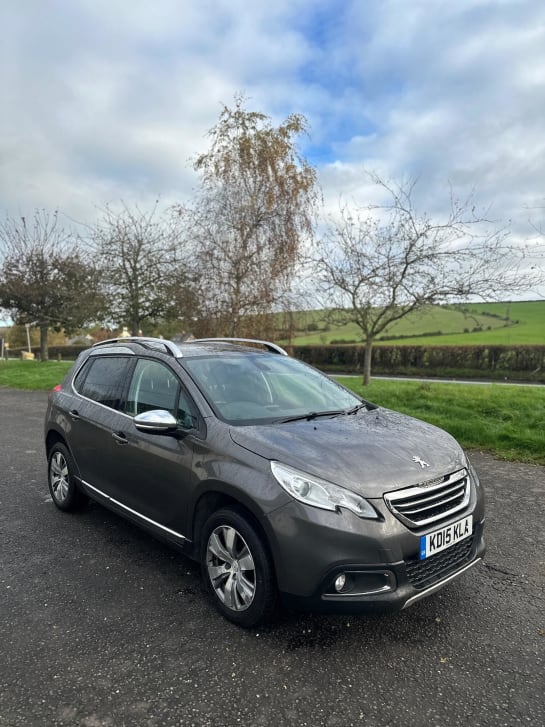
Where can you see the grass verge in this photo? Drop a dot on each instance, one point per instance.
(33, 375)
(508, 421)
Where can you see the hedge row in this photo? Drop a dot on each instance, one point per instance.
(511, 361)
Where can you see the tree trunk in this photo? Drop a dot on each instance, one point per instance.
(367, 356)
(44, 353)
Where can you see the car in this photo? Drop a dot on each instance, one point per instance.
(285, 486)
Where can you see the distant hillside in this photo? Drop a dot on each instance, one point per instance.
(472, 323)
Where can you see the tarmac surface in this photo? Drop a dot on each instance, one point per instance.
(101, 625)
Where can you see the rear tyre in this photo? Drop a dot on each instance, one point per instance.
(63, 488)
(236, 568)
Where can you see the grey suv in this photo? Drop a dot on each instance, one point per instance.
(283, 484)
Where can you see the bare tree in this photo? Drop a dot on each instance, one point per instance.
(140, 257)
(44, 278)
(255, 208)
(380, 263)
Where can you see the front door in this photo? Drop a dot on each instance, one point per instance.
(152, 473)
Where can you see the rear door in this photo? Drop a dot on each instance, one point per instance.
(101, 384)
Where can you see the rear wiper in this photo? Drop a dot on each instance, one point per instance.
(312, 415)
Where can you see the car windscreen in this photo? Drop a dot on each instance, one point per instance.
(247, 388)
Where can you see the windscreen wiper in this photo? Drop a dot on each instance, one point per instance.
(364, 405)
(333, 412)
(312, 415)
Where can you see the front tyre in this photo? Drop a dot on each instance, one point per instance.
(63, 488)
(237, 569)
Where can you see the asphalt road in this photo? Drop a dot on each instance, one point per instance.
(103, 625)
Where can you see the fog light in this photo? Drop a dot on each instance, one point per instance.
(340, 582)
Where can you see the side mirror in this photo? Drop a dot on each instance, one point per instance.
(156, 421)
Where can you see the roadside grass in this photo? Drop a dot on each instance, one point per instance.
(508, 421)
(34, 375)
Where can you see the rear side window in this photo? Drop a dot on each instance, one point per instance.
(103, 380)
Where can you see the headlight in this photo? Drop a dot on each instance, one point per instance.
(473, 474)
(320, 493)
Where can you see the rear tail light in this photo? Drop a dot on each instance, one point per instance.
(57, 388)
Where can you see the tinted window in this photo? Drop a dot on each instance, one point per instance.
(103, 380)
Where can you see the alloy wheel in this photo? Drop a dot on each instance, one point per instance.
(231, 568)
(59, 477)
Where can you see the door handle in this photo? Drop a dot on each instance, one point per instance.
(74, 413)
(120, 438)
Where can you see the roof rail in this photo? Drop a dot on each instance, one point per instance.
(146, 341)
(272, 347)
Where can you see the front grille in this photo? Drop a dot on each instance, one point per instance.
(430, 502)
(424, 573)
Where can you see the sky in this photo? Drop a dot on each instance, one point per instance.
(103, 100)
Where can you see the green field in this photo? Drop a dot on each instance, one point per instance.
(506, 420)
(472, 323)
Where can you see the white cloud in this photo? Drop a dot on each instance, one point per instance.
(461, 97)
(109, 99)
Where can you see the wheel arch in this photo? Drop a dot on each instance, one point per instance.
(218, 496)
(52, 437)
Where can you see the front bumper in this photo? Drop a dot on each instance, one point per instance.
(380, 560)
(397, 592)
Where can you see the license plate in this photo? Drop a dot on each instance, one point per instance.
(444, 538)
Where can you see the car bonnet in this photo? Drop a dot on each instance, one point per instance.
(370, 452)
